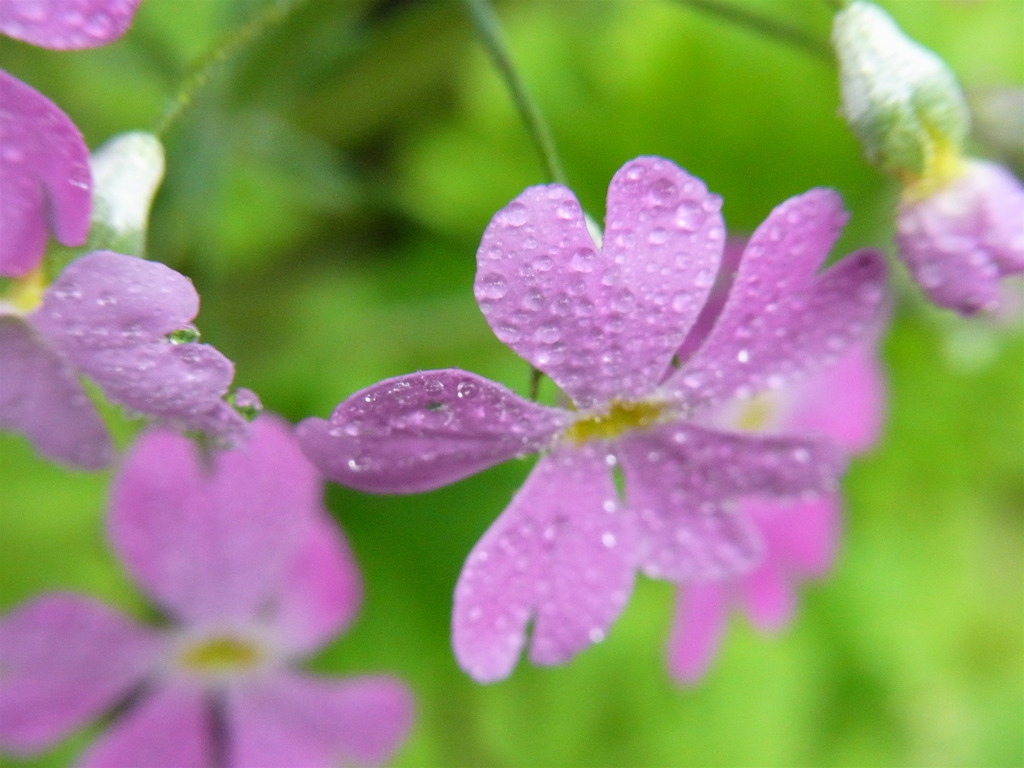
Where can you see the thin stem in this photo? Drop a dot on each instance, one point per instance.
(765, 25)
(485, 21)
(207, 67)
(535, 379)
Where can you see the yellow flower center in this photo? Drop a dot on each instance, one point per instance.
(26, 292)
(757, 413)
(220, 654)
(945, 164)
(619, 418)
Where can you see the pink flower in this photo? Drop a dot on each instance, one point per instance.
(800, 537)
(239, 552)
(44, 163)
(66, 25)
(44, 177)
(961, 239)
(605, 323)
(108, 317)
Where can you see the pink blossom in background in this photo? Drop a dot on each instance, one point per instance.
(254, 576)
(66, 24)
(605, 324)
(44, 177)
(108, 317)
(845, 403)
(962, 239)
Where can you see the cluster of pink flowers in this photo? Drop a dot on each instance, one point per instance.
(712, 394)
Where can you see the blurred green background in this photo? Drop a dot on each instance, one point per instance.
(326, 191)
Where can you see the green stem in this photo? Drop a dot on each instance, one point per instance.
(485, 21)
(765, 25)
(209, 65)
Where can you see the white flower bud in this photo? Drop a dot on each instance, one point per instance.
(899, 98)
(126, 171)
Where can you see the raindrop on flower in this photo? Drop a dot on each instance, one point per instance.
(583, 260)
(689, 216)
(657, 236)
(515, 214)
(493, 286)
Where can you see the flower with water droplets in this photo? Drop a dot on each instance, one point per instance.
(960, 222)
(44, 177)
(606, 323)
(254, 576)
(108, 317)
(961, 239)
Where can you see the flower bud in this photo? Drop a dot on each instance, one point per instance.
(127, 171)
(899, 98)
(963, 238)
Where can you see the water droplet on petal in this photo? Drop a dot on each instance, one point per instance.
(681, 302)
(548, 334)
(493, 286)
(704, 278)
(515, 214)
(664, 191)
(566, 210)
(689, 216)
(623, 300)
(657, 236)
(583, 260)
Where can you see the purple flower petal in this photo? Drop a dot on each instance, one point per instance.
(769, 597)
(959, 241)
(64, 660)
(110, 314)
(40, 397)
(66, 24)
(856, 423)
(418, 432)
(678, 476)
(561, 553)
(170, 727)
(212, 541)
(781, 321)
(802, 536)
(44, 176)
(321, 591)
(702, 612)
(731, 256)
(605, 323)
(292, 720)
(799, 539)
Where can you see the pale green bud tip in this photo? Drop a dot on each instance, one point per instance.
(126, 172)
(596, 233)
(899, 98)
